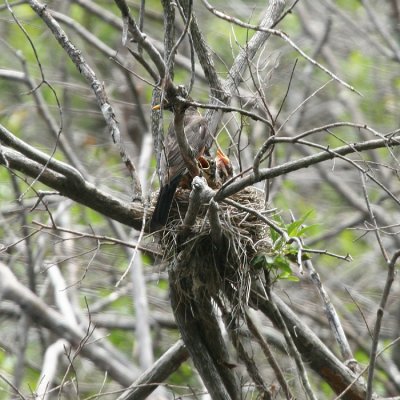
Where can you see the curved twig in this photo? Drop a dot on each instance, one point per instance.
(304, 162)
(283, 36)
(140, 37)
(98, 88)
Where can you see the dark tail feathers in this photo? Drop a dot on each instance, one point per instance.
(163, 206)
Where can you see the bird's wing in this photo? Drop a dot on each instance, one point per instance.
(172, 163)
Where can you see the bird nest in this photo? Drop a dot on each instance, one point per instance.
(199, 264)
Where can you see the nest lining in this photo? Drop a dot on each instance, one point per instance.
(199, 266)
(232, 219)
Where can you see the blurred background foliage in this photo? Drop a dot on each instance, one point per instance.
(338, 34)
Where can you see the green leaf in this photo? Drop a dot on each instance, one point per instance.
(293, 278)
(282, 263)
(262, 260)
(275, 236)
(293, 228)
(306, 229)
(288, 277)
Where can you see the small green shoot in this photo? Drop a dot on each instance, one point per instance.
(283, 253)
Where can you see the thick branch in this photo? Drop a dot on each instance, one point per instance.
(98, 88)
(204, 55)
(199, 195)
(184, 147)
(168, 363)
(42, 314)
(201, 333)
(305, 162)
(82, 191)
(169, 35)
(8, 139)
(317, 355)
(70, 183)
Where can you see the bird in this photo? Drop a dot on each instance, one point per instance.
(216, 170)
(224, 169)
(172, 164)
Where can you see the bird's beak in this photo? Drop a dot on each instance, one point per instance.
(223, 156)
(204, 163)
(156, 107)
(224, 166)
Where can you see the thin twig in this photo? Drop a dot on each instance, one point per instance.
(142, 39)
(374, 222)
(283, 169)
(291, 345)
(302, 104)
(283, 36)
(381, 29)
(14, 388)
(98, 88)
(286, 95)
(366, 368)
(333, 318)
(108, 239)
(285, 13)
(270, 356)
(224, 108)
(379, 317)
(360, 311)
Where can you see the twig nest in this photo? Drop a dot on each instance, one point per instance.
(203, 266)
(247, 226)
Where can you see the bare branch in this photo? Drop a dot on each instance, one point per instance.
(245, 55)
(106, 239)
(169, 37)
(305, 162)
(332, 315)
(203, 54)
(97, 87)
(82, 192)
(269, 355)
(167, 364)
(140, 37)
(12, 289)
(386, 36)
(199, 195)
(8, 139)
(215, 223)
(379, 316)
(266, 29)
(318, 356)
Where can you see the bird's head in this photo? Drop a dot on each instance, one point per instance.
(174, 99)
(224, 166)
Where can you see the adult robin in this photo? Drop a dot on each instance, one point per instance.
(172, 164)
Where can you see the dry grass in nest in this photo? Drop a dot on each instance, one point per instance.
(199, 266)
